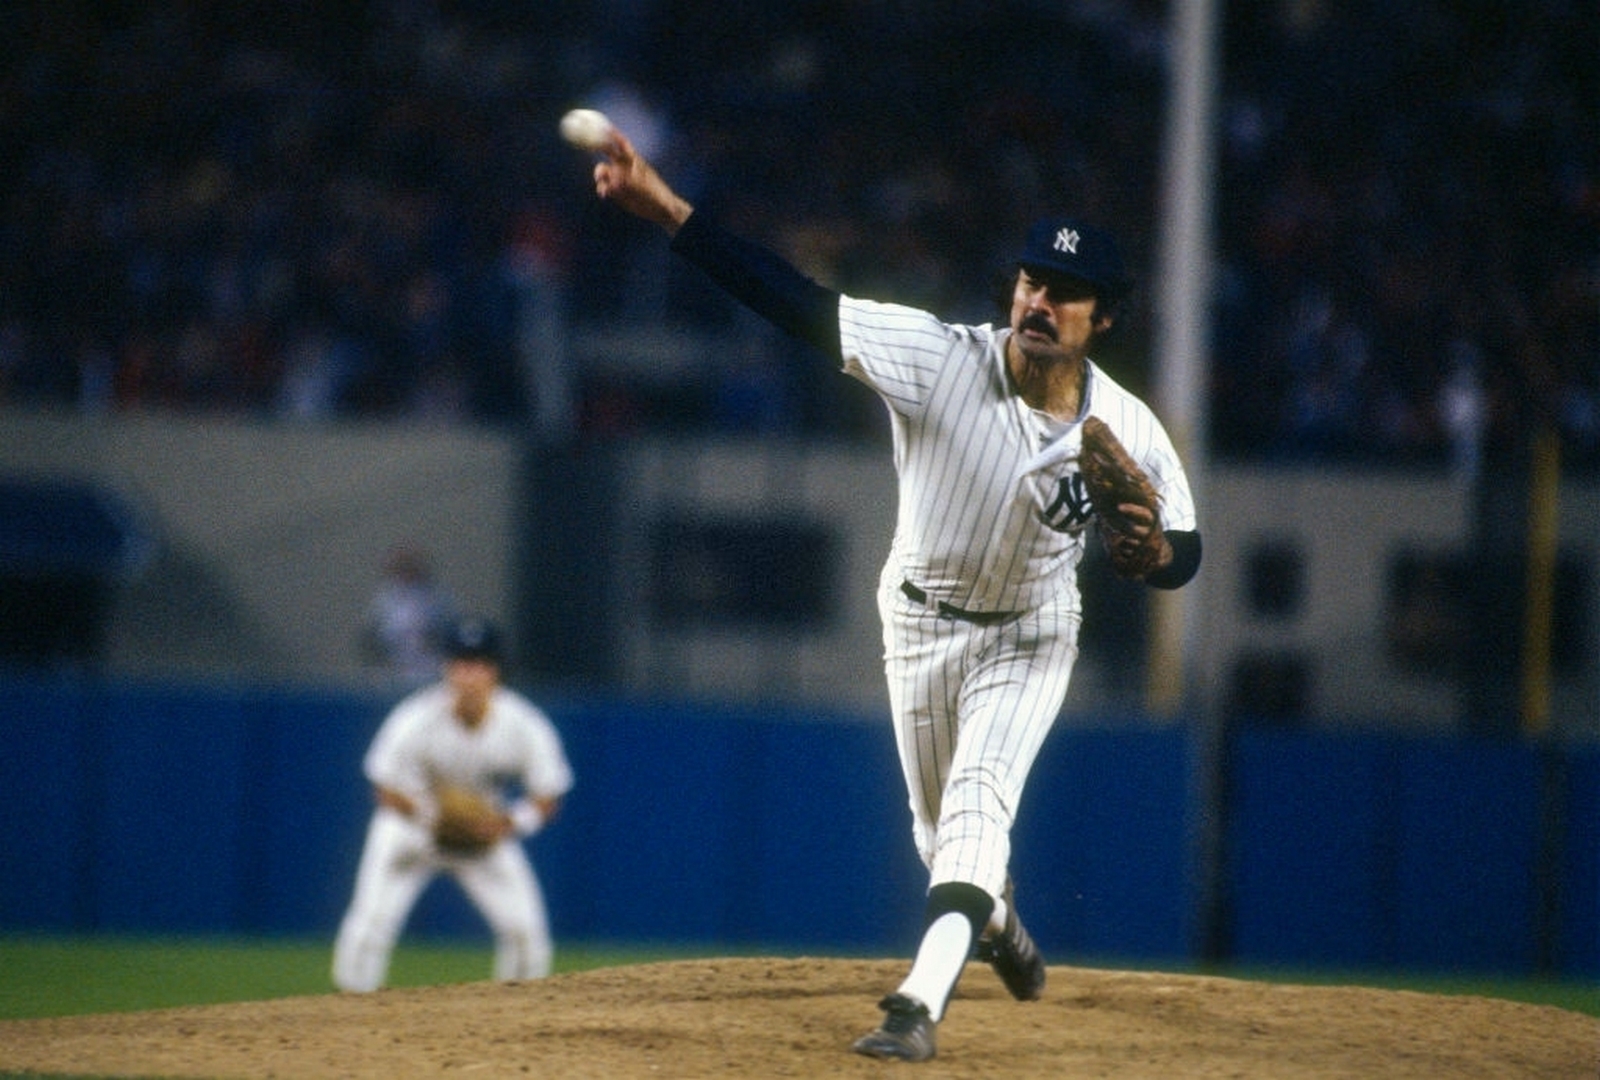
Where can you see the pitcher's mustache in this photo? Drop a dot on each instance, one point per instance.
(1040, 324)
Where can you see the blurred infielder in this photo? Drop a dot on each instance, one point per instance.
(979, 596)
(462, 771)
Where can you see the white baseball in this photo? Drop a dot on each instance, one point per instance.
(587, 129)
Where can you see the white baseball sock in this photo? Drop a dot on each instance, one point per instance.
(940, 960)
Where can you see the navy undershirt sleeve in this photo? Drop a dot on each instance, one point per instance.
(1185, 561)
(763, 281)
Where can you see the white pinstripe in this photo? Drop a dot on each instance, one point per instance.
(985, 523)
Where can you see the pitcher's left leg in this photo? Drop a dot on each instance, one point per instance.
(1011, 701)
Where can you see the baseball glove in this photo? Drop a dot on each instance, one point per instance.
(467, 823)
(1113, 479)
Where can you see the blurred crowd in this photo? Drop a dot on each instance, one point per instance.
(303, 212)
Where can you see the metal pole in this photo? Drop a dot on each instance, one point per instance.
(1543, 543)
(1182, 334)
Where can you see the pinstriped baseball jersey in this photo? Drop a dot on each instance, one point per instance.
(993, 514)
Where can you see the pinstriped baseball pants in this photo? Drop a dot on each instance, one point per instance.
(972, 706)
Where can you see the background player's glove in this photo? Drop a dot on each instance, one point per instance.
(1113, 480)
(467, 823)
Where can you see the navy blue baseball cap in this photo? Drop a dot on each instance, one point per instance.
(1067, 247)
(474, 639)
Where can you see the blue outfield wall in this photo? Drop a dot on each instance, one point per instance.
(213, 810)
(1377, 851)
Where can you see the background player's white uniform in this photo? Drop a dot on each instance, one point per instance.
(992, 519)
(420, 746)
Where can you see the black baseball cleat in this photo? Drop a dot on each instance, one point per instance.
(905, 1034)
(1013, 955)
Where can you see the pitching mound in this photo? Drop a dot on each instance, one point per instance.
(797, 1017)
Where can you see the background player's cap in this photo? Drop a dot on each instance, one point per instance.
(1062, 246)
(473, 639)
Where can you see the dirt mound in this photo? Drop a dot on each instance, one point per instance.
(797, 1017)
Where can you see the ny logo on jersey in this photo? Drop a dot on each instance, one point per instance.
(1067, 240)
(1070, 510)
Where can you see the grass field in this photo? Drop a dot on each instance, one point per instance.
(42, 976)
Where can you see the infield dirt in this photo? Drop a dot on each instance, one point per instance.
(760, 1017)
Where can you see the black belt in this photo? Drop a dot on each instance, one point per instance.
(979, 618)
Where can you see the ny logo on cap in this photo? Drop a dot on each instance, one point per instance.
(1067, 240)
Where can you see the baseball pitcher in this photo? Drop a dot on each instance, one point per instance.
(1002, 477)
